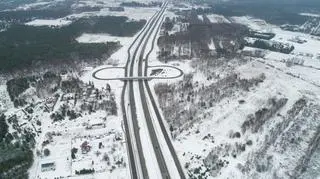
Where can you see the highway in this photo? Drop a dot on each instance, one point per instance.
(158, 115)
(150, 151)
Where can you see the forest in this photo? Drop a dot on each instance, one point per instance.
(15, 159)
(22, 46)
(199, 34)
(274, 13)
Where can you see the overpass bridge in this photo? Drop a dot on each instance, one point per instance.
(138, 78)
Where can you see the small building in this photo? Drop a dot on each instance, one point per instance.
(253, 52)
(96, 123)
(48, 167)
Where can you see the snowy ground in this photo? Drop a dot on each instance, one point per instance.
(226, 117)
(310, 47)
(253, 23)
(215, 18)
(310, 14)
(307, 52)
(33, 5)
(164, 72)
(131, 13)
(103, 38)
(72, 135)
(110, 73)
(52, 23)
(5, 101)
(194, 144)
(76, 4)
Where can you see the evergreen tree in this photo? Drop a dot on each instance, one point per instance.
(3, 127)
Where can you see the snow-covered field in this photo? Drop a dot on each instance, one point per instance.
(307, 53)
(34, 5)
(103, 38)
(215, 18)
(211, 139)
(310, 14)
(310, 47)
(192, 145)
(131, 13)
(253, 23)
(110, 73)
(5, 101)
(76, 4)
(47, 22)
(164, 72)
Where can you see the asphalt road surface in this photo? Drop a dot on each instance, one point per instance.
(137, 66)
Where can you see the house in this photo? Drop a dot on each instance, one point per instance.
(48, 167)
(96, 123)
